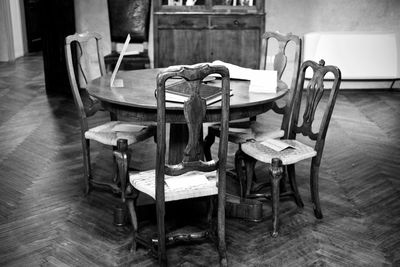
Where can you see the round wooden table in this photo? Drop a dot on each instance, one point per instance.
(136, 102)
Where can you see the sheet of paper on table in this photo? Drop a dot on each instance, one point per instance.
(263, 81)
(119, 82)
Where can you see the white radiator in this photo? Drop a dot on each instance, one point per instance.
(359, 55)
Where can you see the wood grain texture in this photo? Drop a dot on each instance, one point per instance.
(46, 221)
(206, 32)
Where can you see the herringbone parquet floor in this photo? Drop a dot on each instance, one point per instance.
(46, 221)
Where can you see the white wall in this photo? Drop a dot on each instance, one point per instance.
(17, 28)
(300, 17)
(4, 37)
(92, 15)
(12, 38)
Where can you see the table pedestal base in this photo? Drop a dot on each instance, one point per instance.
(248, 209)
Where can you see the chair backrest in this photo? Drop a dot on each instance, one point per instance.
(308, 103)
(280, 60)
(195, 111)
(131, 17)
(77, 55)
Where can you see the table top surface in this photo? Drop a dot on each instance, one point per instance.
(139, 87)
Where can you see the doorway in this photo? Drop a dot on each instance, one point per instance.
(33, 27)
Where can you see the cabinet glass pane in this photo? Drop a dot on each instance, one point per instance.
(182, 2)
(235, 2)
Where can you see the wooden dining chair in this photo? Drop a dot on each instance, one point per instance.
(81, 71)
(259, 130)
(307, 99)
(193, 177)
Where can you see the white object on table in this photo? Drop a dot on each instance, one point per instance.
(119, 82)
(261, 81)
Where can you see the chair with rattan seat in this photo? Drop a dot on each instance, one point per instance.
(240, 131)
(84, 57)
(307, 100)
(192, 178)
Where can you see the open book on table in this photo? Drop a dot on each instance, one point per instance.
(261, 81)
(264, 81)
(179, 92)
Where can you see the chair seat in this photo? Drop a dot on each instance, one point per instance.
(110, 132)
(288, 156)
(192, 184)
(240, 132)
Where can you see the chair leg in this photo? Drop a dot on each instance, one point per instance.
(221, 231)
(115, 168)
(208, 141)
(282, 184)
(86, 163)
(210, 212)
(276, 171)
(129, 194)
(314, 175)
(162, 254)
(131, 204)
(122, 158)
(293, 185)
(239, 160)
(250, 164)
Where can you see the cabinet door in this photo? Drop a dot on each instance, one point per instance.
(181, 46)
(236, 39)
(181, 39)
(237, 47)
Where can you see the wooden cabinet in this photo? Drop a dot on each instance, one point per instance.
(208, 31)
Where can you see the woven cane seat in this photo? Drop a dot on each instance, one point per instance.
(110, 132)
(290, 155)
(189, 185)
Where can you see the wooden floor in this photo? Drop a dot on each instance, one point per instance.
(46, 221)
